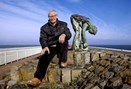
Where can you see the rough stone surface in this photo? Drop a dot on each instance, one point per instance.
(95, 56)
(78, 61)
(27, 72)
(95, 69)
(15, 76)
(70, 58)
(111, 71)
(86, 57)
(66, 76)
(53, 75)
(2, 84)
(75, 73)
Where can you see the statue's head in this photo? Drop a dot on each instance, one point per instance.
(93, 30)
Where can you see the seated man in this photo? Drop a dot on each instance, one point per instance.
(54, 36)
(84, 23)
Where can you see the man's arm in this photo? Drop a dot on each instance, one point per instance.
(43, 42)
(43, 38)
(66, 35)
(67, 32)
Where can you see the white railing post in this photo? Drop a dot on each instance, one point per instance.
(5, 57)
(17, 55)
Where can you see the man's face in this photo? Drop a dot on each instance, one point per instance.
(52, 17)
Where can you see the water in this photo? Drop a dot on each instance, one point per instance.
(14, 46)
(125, 47)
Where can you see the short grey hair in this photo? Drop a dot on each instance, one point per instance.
(52, 11)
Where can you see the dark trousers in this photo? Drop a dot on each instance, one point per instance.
(44, 61)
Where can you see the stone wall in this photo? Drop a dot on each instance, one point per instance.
(94, 69)
(107, 70)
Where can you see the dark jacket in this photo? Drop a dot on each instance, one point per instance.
(49, 34)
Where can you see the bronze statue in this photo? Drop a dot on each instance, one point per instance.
(80, 25)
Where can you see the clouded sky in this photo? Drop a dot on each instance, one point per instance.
(20, 20)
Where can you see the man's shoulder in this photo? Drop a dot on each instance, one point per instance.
(45, 26)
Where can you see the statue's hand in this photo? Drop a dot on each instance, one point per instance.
(85, 45)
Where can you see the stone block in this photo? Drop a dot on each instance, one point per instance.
(88, 86)
(129, 65)
(127, 72)
(124, 62)
(80, 81)
(91, 75)
(98, 69)
(96, 87)
(18, 86)
(58, 86)
(27, 72)
(116, 60)
(2, 76)
(116, 82)
(44, 86)
(70, 58)
(66, 76)
(109, 75)
(128, 80)
(126, 86)
(103, 83)
(2, 84)
(126, 57)
(91, 68)
(95, 80)
(104, 63)
(109, 52)
(75, 73)
(86, 57)
(104, 56)
(114, 56)
(85, 74)
(15, 76)
(103, 72)
(121, 55)
(53, 75)
(95, 56)
(78, 60)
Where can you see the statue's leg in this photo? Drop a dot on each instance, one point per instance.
(83, 36)
(76, 41)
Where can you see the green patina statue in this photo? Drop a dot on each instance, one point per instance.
(80, 25)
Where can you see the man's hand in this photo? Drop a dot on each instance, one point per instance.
(44, 50)
(62, 38)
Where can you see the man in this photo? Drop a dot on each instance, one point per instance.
(85, 24)
(54, 36)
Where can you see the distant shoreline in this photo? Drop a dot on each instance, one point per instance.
(125, 47)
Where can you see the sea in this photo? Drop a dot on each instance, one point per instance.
(16, 46)
(122, 47)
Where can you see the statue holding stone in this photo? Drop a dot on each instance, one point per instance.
(81, 24)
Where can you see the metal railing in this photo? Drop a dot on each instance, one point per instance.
(8, 55)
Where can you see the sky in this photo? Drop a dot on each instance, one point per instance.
(20, 20)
